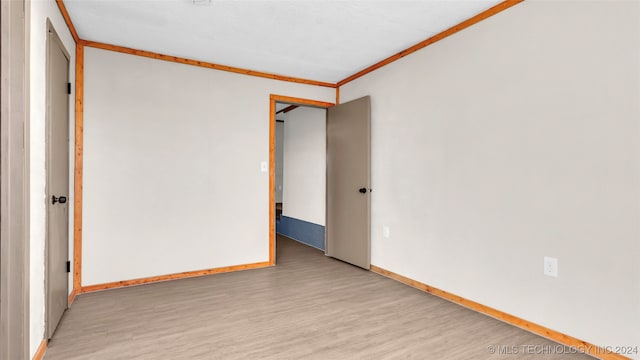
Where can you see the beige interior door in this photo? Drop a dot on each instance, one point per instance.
(57, 181)
(348, 182)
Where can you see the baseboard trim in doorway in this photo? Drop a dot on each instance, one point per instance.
(183, 275)
(556, 336)
(302, 231)
(39, 355)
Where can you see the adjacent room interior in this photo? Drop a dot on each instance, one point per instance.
(498, 199)
(301, 173)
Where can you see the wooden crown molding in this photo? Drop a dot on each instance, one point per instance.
(204, 64)
(67, 19)
(463, 25)
(450, 31)
(208, 65)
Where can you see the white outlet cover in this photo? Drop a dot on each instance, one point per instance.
(550, 266)
(264, 166)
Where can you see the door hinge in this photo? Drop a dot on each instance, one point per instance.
(69, 88)
(68, 266)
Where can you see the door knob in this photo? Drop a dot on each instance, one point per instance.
(61, 199)
(363, 190)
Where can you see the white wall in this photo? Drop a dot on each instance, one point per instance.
(279, 159)
(305, 149)
(40, 11)
(516, 139)
(172, 178)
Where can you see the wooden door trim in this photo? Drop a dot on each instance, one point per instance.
(272, 159)
(78, 168)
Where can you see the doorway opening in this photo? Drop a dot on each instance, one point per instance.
(301, 174)
(281, 113)
(347, 177)
(283, 107)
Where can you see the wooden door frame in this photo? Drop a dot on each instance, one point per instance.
(52, 36)
(272, 157)
(14, 181)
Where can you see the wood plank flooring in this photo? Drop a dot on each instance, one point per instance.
(307, 307)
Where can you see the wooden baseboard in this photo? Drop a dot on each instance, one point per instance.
(41, 350)
(183, 275)
(561, 338)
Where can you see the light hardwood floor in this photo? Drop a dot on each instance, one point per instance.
(307, 307)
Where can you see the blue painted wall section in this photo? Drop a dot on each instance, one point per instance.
(303, 231)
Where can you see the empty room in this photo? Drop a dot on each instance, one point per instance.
(220, 179)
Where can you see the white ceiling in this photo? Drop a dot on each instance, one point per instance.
(311, 39)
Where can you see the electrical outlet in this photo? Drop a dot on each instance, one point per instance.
(550, 266)
(385, 231)
(264, 166)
